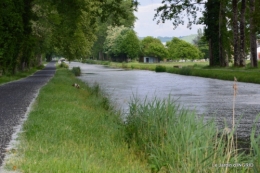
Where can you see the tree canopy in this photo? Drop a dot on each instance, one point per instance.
(153, 47)
(121, 41)
(229, 24)
(179, 49)
(32, 28)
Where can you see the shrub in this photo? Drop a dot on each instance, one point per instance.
(76, 71)
(40, 66)
(105, 62)
(185, 71)
(160, 68)
(63, 65)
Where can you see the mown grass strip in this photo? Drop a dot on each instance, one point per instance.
(73, 130)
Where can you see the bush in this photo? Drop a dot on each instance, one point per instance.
(160, 68)
(124, 65)
(63, 65)
(186, 71)
(76, 71)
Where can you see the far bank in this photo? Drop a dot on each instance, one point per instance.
(201, 69)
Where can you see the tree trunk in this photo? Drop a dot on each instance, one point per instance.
(242, 55)
(235, 33)
(222, 25)
(211, 58)
(253, 46)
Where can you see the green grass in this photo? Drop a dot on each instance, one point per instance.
(73, 130)
(77, 130)
(176, 140)
(18, 75)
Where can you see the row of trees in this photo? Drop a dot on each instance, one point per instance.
(231, 26)
(30, 29)
(122, 44)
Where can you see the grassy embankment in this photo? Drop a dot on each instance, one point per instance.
(75, 130)
(18, 75)
(245, 74)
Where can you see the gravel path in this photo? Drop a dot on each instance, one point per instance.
(15, 98)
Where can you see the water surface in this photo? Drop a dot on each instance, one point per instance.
(208, 97)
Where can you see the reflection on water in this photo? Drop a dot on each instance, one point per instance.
(210, 97)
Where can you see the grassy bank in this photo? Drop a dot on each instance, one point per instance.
(73, 130)
(76, 130)
(245, 74)
(18, 75)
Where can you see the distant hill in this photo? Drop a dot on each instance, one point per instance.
(187, 38)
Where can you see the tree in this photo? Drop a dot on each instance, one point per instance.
(31, 28)
(211, 18)
(235, 32)
(222, 26)
(127, 21)
(130, 44)
(179, 49)
(253, 46)
(201, 43)
(176, 10)
(242, 55)
(153, 47)
(121, 43)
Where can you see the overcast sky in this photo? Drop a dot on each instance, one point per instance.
(145, 26)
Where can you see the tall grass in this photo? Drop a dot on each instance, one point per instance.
(176, 140)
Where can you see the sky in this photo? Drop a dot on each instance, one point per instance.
(146, 26)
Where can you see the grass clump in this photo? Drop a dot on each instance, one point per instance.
(63, 65)
(160, 68)
(73, 130)
(176, 140)
(76, 71)
(124, 65)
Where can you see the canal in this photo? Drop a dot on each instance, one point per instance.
(207, 97)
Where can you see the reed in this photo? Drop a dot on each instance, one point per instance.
(174, 139)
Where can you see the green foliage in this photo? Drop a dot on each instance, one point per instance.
(153, 47)
(179, 49)
(127, 20)
(84, 132)
(63, 65)
(121, 41)
(202, 44)
(176, 140)
(76, 71)
(31, 28)
(176, 11)
(160, 68)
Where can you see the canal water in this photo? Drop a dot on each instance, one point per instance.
(207, 97)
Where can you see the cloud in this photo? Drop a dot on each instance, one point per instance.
(146, 26)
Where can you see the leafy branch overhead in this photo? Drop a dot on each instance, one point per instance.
(179, 10)
(32, 28)
(229, 25)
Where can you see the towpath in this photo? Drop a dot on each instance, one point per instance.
(15, 98)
